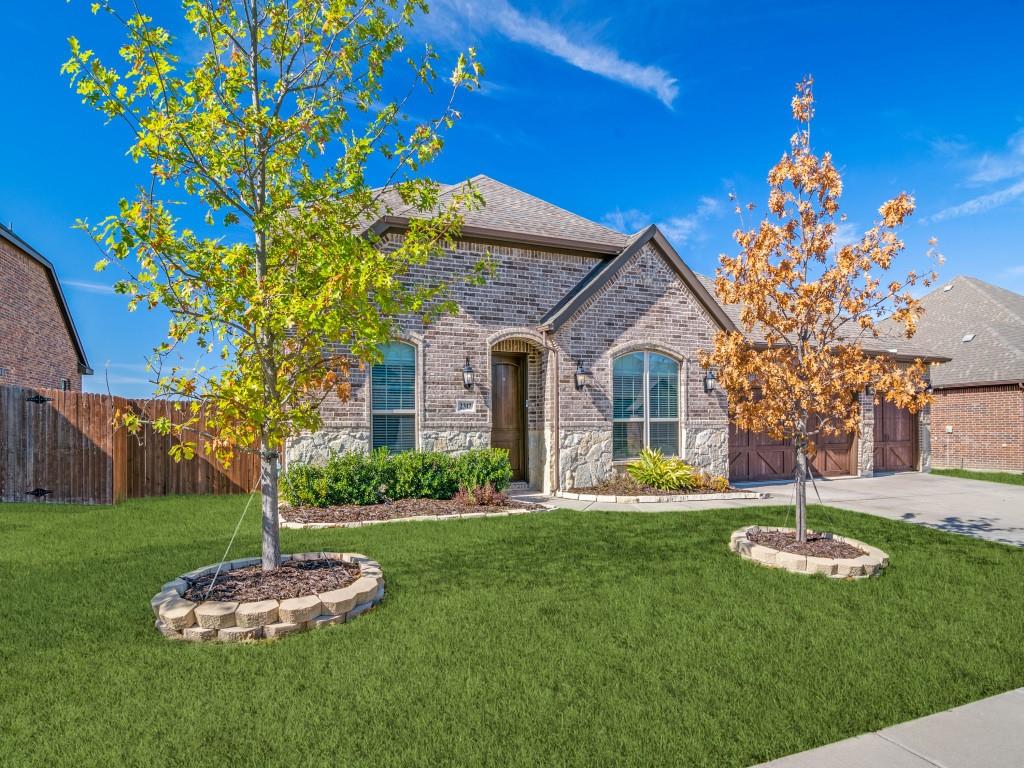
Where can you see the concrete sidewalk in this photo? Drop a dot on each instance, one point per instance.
(984, 734)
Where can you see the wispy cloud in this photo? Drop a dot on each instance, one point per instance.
(981, 203)
(88, 287)
(847, 233)
(679, 229)
(987, 170)
(571, 48)
(999, 166)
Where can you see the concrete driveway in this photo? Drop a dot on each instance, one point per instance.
(986, 510)
(992, 511)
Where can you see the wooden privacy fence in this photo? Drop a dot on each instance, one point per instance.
(62, 446)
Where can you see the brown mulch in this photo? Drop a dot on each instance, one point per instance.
(624, 485)
(817, 545)
(355, 513)
(294, 578)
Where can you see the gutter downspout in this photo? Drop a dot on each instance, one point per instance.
(556, 441)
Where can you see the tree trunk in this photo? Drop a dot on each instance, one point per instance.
(271, 530)
(800, 487)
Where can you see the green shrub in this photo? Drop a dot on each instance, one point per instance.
(304, 485)
(369, 478)
(423, 475)
(483, 466)
(666, 473)
(357, 478)
(350, 478)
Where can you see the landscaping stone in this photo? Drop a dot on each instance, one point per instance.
(216, 614)
(339, 600)
(199, 634)
(178, 613)
(160, 598)
(365, 589)
(256, 614)
(300, 609)
(281, 628)
(325, 620)
(166, 631)
(239, 634)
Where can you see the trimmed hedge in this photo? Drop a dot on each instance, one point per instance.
(370, 478)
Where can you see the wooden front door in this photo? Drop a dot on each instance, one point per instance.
(895, 446)
(508, 409)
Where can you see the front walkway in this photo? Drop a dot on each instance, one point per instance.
(993, 511)
(984, 734)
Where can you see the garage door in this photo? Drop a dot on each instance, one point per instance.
(895, 443)
(755, 456)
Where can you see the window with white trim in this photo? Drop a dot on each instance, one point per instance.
(645, 404)
(393, 398)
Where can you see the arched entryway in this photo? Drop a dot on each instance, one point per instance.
(517, 406)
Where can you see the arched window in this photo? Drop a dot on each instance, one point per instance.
(645, 404)
(393, 398)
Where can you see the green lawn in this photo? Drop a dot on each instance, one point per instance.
(1012, 478)
(559, 638)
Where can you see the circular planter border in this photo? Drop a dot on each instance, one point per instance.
(229, 621)
(862, 567)
(659, 499)
(510, 512)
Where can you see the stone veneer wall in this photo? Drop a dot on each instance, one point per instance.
(866, 438)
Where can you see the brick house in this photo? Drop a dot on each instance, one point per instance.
(580, 350)
(39, 346)
(978, 415)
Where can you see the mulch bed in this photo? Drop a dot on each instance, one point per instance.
(294, 578)
(623, 485)
(355, 513)
(816, 545)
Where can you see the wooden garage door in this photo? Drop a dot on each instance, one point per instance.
(755, 456)
(895, 438)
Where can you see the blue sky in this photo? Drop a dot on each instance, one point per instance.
(624, 113)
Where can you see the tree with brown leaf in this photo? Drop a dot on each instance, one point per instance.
(808, 306)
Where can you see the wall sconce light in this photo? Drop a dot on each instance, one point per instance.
(580, 376)
(467, 374)
(710, 380)
(869, 391)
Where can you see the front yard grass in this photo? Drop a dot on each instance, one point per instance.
(1011, 478)
(556, 638)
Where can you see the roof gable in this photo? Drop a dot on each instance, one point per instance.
(597, 278)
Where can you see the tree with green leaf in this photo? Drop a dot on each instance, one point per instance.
(251, 229)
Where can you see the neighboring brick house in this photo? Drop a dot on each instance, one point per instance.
(39, 346)
(582, 348)
(978, 415)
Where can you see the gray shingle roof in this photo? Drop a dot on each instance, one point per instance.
(996, 318)
(889, 342)
(507, 209)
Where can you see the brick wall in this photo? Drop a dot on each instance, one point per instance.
(978, 428)
(35, 348)
(645, 306)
